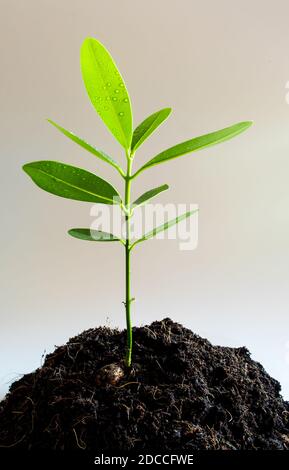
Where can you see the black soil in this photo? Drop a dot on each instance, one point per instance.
(181, 394)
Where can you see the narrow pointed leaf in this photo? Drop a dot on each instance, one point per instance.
(98, 153)
(164, 226)
(71, 182)
(149, 195)
(197, 143)
(93, 235)
(106, 90)
(148, 126)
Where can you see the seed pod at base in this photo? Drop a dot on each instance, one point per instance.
(109, 375)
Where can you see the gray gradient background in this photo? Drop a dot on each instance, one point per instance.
(215, 63)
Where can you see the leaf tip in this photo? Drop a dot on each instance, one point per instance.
(25, 167)
(54, 124)
(87, 40)
(248, 123)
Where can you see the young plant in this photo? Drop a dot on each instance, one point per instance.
(109, 96)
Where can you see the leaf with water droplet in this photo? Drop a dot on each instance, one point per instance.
(99, 70)
(71, 182)
(148, 126)
(98, 153)
(198, 143)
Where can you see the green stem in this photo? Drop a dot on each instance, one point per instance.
(128, 299)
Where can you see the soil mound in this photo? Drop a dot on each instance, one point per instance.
(182, 394)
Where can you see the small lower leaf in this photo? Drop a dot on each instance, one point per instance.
(164, 227)
(149, 195)
(92, 235)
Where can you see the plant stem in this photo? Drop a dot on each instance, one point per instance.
(128, 299)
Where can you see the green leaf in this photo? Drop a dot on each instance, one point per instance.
(197, 143)
(164, 227)
(98, 153)
(106, 90)
(149, 195)
(93, 235)
(71, 182)
(147, 127)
